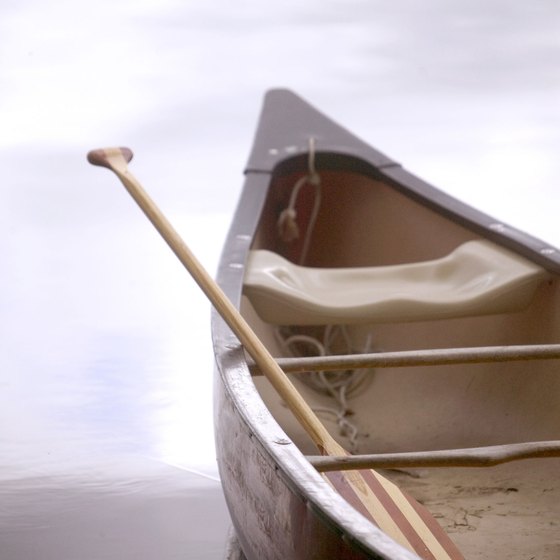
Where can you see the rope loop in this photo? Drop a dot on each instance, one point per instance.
(313, 177)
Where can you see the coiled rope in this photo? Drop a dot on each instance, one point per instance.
(339, 385)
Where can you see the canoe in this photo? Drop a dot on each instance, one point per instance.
(422, 332)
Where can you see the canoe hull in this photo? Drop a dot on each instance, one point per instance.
(281, 508)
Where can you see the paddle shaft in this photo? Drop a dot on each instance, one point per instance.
(256, 349)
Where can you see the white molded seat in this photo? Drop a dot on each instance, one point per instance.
(477, 278)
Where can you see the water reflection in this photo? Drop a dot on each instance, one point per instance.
(95, 515)
(105, 416)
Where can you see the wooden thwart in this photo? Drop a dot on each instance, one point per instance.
(411, 358)
(473, 457)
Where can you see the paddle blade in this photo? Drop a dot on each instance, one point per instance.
(395, 512)
(103, 157)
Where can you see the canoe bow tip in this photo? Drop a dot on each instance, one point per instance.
(281, 93)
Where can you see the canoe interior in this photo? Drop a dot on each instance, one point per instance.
(511, 511)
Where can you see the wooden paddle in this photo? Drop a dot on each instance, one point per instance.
(392, 510)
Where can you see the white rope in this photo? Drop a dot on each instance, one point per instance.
(288, 228)
(339, 385)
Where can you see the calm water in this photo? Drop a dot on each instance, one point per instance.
(106, 444)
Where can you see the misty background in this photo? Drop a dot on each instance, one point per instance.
(106, 440)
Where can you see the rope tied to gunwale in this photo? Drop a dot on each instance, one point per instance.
(287, 225)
